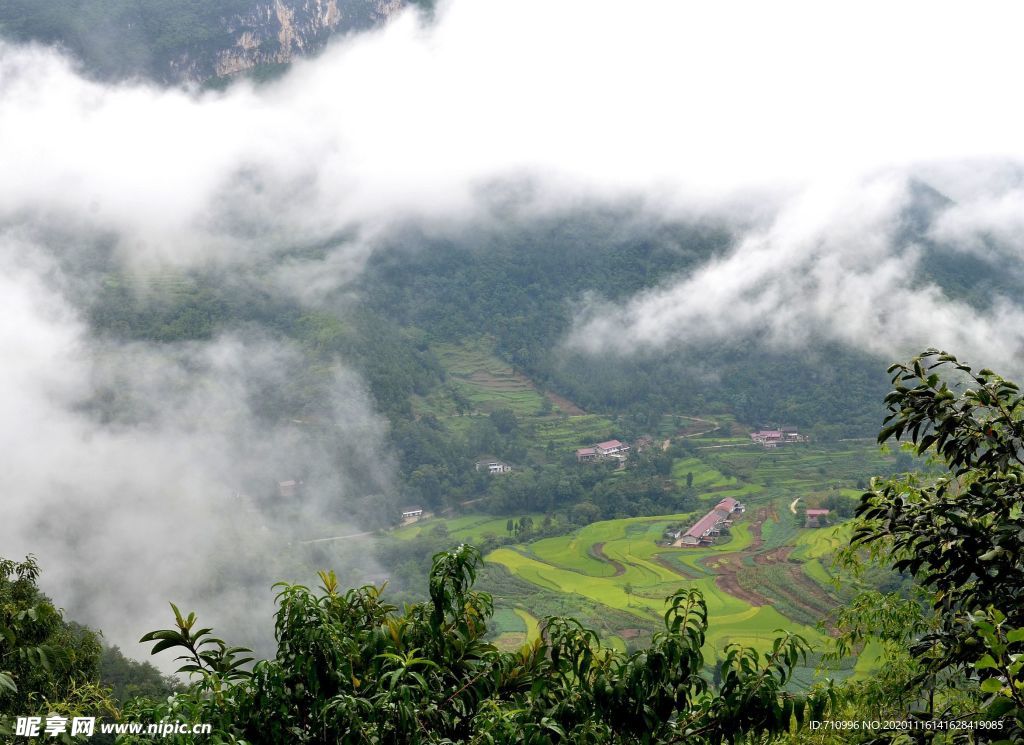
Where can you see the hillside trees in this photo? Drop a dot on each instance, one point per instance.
(45, 661)
(128, 678)
(961, 535)
(524, 283)
(351, 668)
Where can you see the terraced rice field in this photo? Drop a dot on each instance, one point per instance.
(486, 381)
(467, 529)
(570, 433)
(801, 467)
(710, 484)
(619, 564)
(769, 575)
(819, 542)
(513, 627)
(704, 476)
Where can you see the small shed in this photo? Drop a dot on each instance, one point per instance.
(816, 518)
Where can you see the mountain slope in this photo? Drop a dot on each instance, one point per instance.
(187, 40)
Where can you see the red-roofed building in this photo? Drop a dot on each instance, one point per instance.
(585, 454)
(816, 517)
(705, 529)
(611, 447)
(729, 505)
(701, 530)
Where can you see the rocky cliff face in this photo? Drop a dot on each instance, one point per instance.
(277, 31)
(173, 41)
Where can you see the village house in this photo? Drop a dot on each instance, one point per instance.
(773, 438)
(816, 518)
(608, 450)
(288, 489)
(704, 530)
(410, 513)
(611, 448)
(493, 467)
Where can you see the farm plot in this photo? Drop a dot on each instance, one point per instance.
(618, 564)
(801, 467)
(487, 382)
(819, 542)
(508, 629)
(709, 483)
(704, 476)
(572, 432)
(577, 553)
(468, 528)
(513, 627)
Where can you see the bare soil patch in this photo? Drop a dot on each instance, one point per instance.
(755, 530)
(774, 556)
(564, 404)
(800, 590)
(726, 569)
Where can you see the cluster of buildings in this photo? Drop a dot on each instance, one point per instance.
(773, 438)
(603, 451)
(704, 531)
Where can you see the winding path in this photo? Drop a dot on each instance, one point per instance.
(598, 551)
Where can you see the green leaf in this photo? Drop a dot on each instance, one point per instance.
(991, 685)
(999, 707)
(985, 663)
(6, 681)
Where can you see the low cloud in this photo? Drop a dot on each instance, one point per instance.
(140, 473)
(693, 109)
(835, 264)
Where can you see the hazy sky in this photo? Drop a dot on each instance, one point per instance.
(800, 123)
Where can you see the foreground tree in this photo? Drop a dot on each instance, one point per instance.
(961, 536)
(350, 668)
(46, 663)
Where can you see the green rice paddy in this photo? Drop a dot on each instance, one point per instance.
(635, 575)
(755, 582)
(818, 542)
(464, 529)
(572, 432)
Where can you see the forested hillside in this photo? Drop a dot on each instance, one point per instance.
(523, 283)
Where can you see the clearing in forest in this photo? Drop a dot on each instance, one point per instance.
(488, 383)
